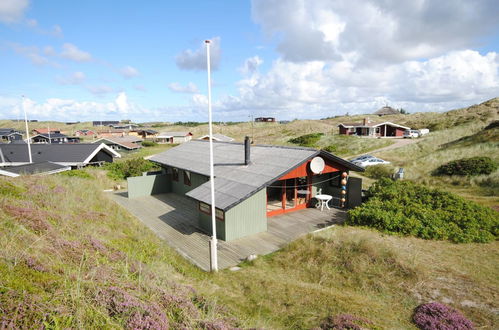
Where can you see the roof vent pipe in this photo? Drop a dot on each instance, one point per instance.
(246, 150)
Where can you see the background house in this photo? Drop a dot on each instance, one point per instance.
(370, 129)
(144, 133)
(85, 132)
(252, 183)
(9, 135)
(105, 122)
(173, 137)
(265, 119)
(385, 111)
(121, 143)
(217, 137)
(73, 155)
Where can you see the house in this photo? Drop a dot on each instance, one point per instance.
(265, 119)
(370, 129)
(124, 126)
(85, 132)
(252, 182)
(385, 111)
(43, 168)
(112, 133)
(217, 137)
(37, 131)
(9, 135)
(105, 122)
(73, 155)
(121, 143)
(173, 137)
(144, 133)
(54, 138)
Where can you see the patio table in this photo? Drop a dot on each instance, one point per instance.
(323, 199)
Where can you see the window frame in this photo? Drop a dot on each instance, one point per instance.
(206, 209)
(175, 174)
(187, 178)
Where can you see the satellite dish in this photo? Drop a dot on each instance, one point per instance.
(317, 165)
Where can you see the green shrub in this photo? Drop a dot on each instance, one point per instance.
(467, 167)
(149, 143)
(379, 171)
(77, 173)
(407, 208)
(130, 167)
(307, 140)
(331, 148)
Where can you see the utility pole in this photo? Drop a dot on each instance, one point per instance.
(213, 242)
(27, 132)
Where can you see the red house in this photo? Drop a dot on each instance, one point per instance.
(367, 128)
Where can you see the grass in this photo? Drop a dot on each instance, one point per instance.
(421, 158)
(363, 273)
(66, 250)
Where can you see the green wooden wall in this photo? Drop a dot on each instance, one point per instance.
(248, 217)
(205, 225)
(148, 185)
(180, 188)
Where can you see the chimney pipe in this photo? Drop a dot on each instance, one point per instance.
(246, 150)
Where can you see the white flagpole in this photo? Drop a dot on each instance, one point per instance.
(27, 132)
(213, 242)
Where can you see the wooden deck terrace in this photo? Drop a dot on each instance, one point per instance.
(174, 218)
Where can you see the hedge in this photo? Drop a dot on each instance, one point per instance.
(407, 208)
(130, 167)
(307, 140)
(467, 167)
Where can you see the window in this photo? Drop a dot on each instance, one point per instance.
(175, 174)
(206, 209)
(187, 178)
(351, 129)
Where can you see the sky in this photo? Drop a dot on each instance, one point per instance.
(289, 59)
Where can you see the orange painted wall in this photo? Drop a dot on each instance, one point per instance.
(304, 170)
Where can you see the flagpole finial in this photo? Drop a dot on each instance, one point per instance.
(207, 41)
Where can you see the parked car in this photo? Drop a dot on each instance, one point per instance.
(371, 161)
(361, 158)
(411, 133)
(423, 131)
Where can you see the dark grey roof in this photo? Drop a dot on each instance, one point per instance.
(52, 135)
(58, 153)
(235, 181)
(35, 168)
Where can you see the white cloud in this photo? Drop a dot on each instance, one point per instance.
(33, 53)
(129, 72)
(75, 78)
(12, 11)
(196, 59)
(320, 89)
(190, 88)
(71, 52)
(68, 109)
(251, 65)
(373, 31)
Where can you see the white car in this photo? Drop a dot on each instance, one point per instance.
(411, 133)
(361, 158)
(371, 161)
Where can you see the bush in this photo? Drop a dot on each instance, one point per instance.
(307, 140)
(379, 171)
(439, 316)
(149, 143)
(467, 166)
(130, 167)
(77, 173)
(331, 148)
(407, 208)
